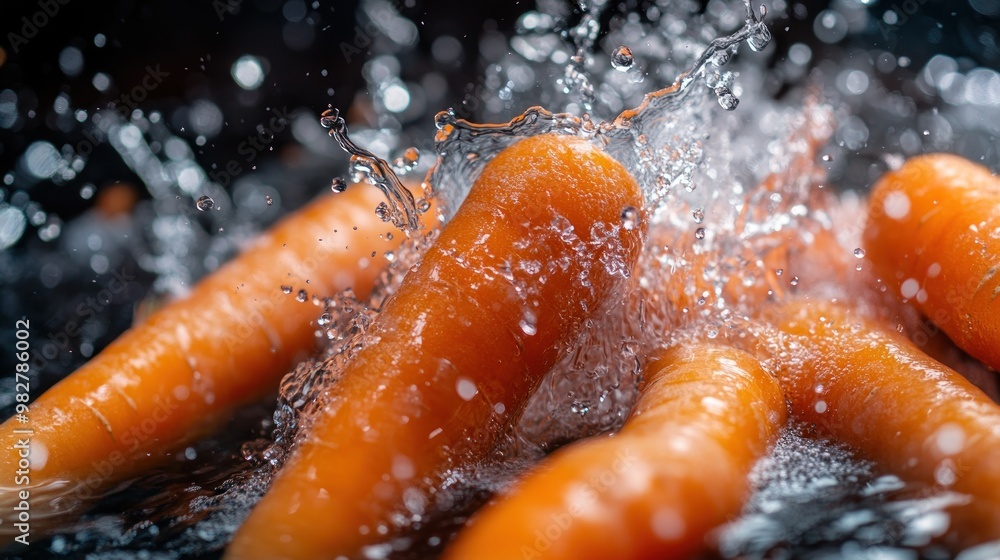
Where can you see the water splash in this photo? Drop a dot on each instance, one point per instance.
(401, 207)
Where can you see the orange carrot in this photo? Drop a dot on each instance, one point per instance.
(179, 373)
(543, 240)
(932, 235)
(676, 470)
(876, 391)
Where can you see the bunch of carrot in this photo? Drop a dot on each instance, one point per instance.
(457, 350)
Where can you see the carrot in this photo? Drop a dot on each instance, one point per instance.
(932, 235)
(179, 373)
(873, 389)
(543, 240)
(677, 469)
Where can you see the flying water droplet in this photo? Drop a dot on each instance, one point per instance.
(699, 233)
(286, 289)
(699, 215)
(302, 296)
(269, 201)
(727, 100)
(338, 185)
(382, 211)
(205, 203)
(859, 253)
(622, 59)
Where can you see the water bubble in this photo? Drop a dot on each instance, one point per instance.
(699, 233)
(338, 185)
(622, 59)
(859, 253)
(205, 203)
(630, 218)
(699, 215)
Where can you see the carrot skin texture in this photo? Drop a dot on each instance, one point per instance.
(452, 364)
(676, 470)
(179, 373)
(875, 390)
(932, 233)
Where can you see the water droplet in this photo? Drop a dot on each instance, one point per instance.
(443, 119)
(699, 215)
(338, 185)
(760, 36)
(410, 158)
(779, 272)
(382, 211)
(622, 59)
(268, 200)
(423, 205)
(630, 218)
(302, 296)
(859, 253)
(205, 203)
(721, 58)
(699, 233)
(794, 281)
(727, 100)
(286, 289)
(827, 157)
(527, 323)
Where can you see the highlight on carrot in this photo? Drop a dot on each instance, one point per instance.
(874, 390)
(677, 469)
(177, 375)
(931, 235)
(544, 239)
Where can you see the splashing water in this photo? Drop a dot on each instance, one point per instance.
(730, 192)
(402, 209)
